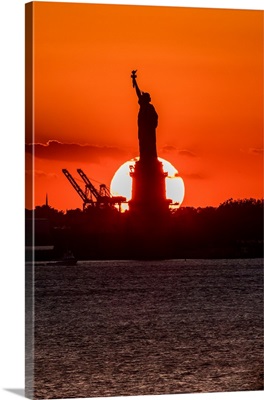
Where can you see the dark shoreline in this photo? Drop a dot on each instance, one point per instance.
(48, 257)
(233, 230)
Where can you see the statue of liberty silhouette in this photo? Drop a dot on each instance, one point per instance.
(147, 124)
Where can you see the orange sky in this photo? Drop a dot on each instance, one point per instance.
(203, 69)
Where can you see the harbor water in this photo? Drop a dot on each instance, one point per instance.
(119, 328)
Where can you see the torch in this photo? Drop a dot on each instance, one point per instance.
(133, 76)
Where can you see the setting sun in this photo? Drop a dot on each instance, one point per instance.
(121, 184)
(203, 69)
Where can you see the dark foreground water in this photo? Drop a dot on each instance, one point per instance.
(107, 328)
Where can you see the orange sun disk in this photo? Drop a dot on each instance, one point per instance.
(121, 184)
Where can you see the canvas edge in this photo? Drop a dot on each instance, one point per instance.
(29, 237)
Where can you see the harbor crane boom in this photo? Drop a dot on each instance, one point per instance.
(102, 198)
(88, 183)
(80, 192)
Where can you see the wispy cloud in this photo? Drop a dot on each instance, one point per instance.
(54, 150)
(42, 174)
(181, 152)
(186, 153)
(168, 149)
(257, 151)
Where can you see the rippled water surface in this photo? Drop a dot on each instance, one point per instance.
(108, 328)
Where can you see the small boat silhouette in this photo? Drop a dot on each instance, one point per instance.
(67, 259)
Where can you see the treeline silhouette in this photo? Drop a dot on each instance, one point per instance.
(232, 230)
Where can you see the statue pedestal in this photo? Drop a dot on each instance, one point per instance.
(149, 211)
(148, 188)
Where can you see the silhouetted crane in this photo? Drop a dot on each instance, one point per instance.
(103, 197)
(91, 195)
(89, 187)
(104, 191)
(80, 192)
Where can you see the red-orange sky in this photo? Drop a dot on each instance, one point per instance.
(203, 69)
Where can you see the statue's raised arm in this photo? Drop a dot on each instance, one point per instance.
(134, 82)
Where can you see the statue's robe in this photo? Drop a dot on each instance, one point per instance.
(147, 123)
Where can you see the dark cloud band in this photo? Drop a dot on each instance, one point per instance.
(54, 150)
